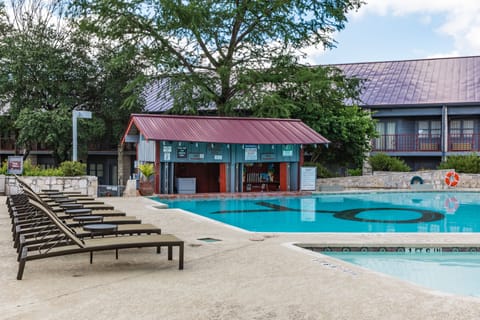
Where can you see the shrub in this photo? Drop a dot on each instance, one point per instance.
(67, 168)
(466, 164)
(383, 162)
(73, 168)
(4, 167)
(322, 172)
(354, 172)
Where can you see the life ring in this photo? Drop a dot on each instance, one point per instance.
(451, 205)
(452, 178)
(416, 180)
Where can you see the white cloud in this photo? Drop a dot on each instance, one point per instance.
(457, 20)
(461, 18)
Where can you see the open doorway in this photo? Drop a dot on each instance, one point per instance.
(206, 175)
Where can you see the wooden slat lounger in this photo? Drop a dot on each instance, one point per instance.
(77, 245)
(43, 236)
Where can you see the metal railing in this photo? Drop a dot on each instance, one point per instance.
(425, 143)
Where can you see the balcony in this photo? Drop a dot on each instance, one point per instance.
(7, 144)
(423, 143)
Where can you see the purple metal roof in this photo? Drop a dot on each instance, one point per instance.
(417, 82)
(224, 130)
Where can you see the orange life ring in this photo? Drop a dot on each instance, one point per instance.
(452, 178)
(451, 205)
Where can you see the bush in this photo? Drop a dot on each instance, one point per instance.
(383, 162)
(465, 164)
(322, 172)
(66, 169)
(73, 168)
(4, 167)
(354, 172)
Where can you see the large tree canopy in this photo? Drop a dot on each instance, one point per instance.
(49, 68)
(206, 46)
(324, 99)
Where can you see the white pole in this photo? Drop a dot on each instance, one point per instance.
(74, 135)
(75, 115)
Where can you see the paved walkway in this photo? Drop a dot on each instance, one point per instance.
(243, 276)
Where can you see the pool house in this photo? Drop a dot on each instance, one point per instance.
(205, 154)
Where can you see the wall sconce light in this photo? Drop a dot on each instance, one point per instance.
(212, 145)
(196, 144)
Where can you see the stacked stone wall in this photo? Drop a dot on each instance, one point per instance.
(432, 179)
(84, 184)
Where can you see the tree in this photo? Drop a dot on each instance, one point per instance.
(47, 74)
(206, 47)
(324, 99)
(49, 67)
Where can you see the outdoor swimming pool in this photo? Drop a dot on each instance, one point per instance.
(456, 273)
(359, 212)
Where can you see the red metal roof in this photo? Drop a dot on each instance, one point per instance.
(224, 129)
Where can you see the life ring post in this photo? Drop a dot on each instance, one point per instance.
(452, 179)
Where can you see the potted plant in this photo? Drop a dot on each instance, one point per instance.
(145, 186)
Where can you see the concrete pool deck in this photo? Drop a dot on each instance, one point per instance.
(243, 276)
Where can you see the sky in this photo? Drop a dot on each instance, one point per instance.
(385, 30)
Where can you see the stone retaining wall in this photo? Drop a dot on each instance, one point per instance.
(432, 179)
(84, 184)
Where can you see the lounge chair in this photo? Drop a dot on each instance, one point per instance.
(68, 243)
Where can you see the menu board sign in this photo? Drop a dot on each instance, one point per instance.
(308, 178)
(251, 152)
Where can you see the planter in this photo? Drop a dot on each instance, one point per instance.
(145, 188)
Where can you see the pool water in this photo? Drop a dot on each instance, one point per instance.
(456, 273)
(360, 212)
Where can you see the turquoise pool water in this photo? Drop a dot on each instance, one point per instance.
(360, 212)
(457, 273)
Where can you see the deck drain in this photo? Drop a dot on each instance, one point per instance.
(161, 206)
(209, 239)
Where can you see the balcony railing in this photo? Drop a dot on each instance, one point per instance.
(424, 143)
(7, 144)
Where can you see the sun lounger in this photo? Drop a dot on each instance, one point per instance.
(72, 244)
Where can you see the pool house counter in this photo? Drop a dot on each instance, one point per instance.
(193, 154)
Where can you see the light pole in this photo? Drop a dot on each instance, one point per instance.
(75, 115)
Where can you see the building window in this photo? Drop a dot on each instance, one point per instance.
(461, 135)
(429, 132)
(96, 169)
(386, 136)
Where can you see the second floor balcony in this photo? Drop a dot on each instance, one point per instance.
(426, 143)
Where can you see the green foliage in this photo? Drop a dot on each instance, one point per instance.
(218, 41)
(354, 172)
(49, 67)
(466, 164)
(51, 127)
(4, 167)
(318, 96)
(73, 168)
(147, 170)
(66, 169)
(32, 170)
(322, 172)
(383, 162)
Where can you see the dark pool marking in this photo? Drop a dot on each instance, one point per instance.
(350, 214)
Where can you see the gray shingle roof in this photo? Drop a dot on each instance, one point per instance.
(408, 82)
(418, 82)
